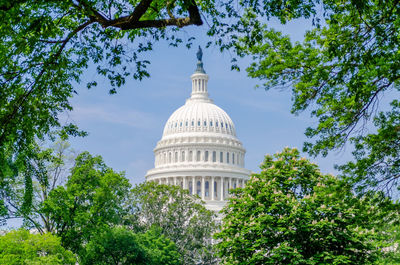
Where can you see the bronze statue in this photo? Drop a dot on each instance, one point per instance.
(199, 54)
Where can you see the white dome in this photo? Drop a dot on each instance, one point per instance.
(199, 116)
(199, 150)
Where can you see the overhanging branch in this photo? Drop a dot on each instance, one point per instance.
(133, 21)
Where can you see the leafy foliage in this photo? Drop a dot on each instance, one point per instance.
(94, 197)
(21, 247)
(347, 62)
(377, 154)
(341, 70)
(46, 45)
(47, 169)
(161, 249)
(290, 213)
(180, 217)
(120, 246)
(389, 241)
(96, 211)
(115, 246)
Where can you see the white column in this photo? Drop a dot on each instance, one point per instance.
(230, 183)
(222, 189)
(175, 180)
(194, 186)
(184, 183)
(203, 187)
(212, 188)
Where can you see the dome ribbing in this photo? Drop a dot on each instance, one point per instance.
(199, 149)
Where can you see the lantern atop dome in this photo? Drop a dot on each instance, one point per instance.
(199, 80)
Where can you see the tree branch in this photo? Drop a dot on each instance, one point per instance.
(8, 5)
(93, 13)
(6, 120)
(162, 23)
(133, 21)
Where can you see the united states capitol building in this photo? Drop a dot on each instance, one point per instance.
(199, 150)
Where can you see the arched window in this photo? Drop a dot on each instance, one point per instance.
(198, 156)
(227, 157)
(198, 188)
(180, 124)
(165, 158)
(205, 123)
(176, 157)
(186, 123)
(192, 123)
(183, 156)
(233, 158)
(211, 123)
(190, 156)
(215, 189)
(216, 124)
(206, 156)
(169, 157)
(214, 159)
(221, 157)
(198, 123)
(207, 188)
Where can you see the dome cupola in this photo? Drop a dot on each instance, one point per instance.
(199, 149)
(199, 114)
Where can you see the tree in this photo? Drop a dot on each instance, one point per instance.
(46, 45)
(180, 217)
(120, 246)
(47, 169)
(161, 249)
(94, 197)
(347, 62)
(389, 242)
(290, 213)
(22, 247)
(52, 42)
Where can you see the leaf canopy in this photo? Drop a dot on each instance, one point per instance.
(290, 213)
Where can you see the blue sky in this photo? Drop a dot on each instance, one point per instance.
(125, 127)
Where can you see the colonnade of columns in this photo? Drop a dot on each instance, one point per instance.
(206, 187)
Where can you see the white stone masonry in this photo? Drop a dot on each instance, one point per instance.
(199, 150)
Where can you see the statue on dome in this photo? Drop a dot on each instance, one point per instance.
(199, 54)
